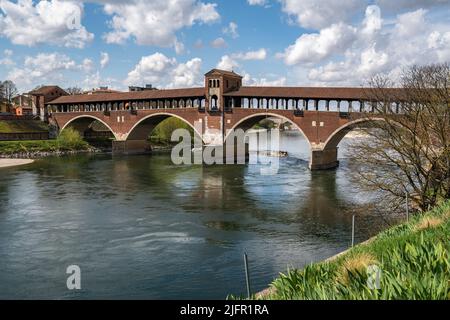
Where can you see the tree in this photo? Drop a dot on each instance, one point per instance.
(74, 90)
(1, 92)
(408, 146)
(163, 131)
(9, 90)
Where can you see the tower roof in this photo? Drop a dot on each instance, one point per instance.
(223, 72)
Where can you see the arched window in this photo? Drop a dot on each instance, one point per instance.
(214, 103)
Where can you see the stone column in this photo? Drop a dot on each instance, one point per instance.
(323, 159)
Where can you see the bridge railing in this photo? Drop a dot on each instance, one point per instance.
(297, 105)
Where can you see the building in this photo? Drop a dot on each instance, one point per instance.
(22, 105)
(148, 87)
(101, 90)
(43, 95)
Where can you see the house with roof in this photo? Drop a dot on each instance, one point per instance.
(43, 95)
(22, 105)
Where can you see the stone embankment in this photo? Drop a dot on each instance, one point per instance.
(43, 154)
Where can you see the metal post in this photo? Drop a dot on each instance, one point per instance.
(407, 208)
(247, 275)
(353, 230)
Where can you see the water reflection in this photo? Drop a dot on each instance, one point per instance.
(141, 227)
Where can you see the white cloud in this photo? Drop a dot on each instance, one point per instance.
(162, 71)
(187, 74)
(260, 54)
(7, 61)
(401, 5)
(248, 80)
(315, 47)
(43, 68)
(378, 47)
(231, 30)
(87, 65)
(219, 43)
(54, 22)
(372, 61)
(227, 63)
(104, 59)
(318, 14)
(411, 23)
(179, 47)
(92, 81)
(155, 22)
(440, 43)
(372, 22)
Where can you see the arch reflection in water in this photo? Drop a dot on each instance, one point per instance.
(141, 227)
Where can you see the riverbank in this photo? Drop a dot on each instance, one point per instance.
(408, 261)
(68, 142)
(6, 163)
(35, 149)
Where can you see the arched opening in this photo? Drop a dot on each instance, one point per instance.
(89, 126)
(333, 105)
(322, 105)
(344, 107)
(214, 103)
(158, 128)
(93, 130)
(292, 138)
(354, 126)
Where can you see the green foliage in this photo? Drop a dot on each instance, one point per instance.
(265, 124)
(414, 264)
(70, 139)
(163, 132)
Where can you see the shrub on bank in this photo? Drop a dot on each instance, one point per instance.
(68, 140)
(413, 259)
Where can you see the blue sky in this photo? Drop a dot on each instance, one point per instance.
(172, 43)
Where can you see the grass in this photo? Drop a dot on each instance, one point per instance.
(68, 140)
(414, 259)
(18, 126)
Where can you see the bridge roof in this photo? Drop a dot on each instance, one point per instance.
(301, 92)
(130, 96)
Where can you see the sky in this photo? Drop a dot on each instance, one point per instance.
(173, 43)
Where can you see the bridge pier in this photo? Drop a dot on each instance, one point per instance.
(323, 159)
(131, 147)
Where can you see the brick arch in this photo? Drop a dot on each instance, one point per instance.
(149, 122)
(85, 116)
(336, 137)
(249, 121)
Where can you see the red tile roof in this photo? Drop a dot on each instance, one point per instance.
(301, 92)
(224, 72)
(131, 96)
(44, 90)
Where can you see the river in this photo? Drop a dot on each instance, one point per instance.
(140, 227)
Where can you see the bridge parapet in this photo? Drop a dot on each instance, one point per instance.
(322, 130)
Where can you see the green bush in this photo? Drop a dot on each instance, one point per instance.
(163, 132)
(70, 139)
